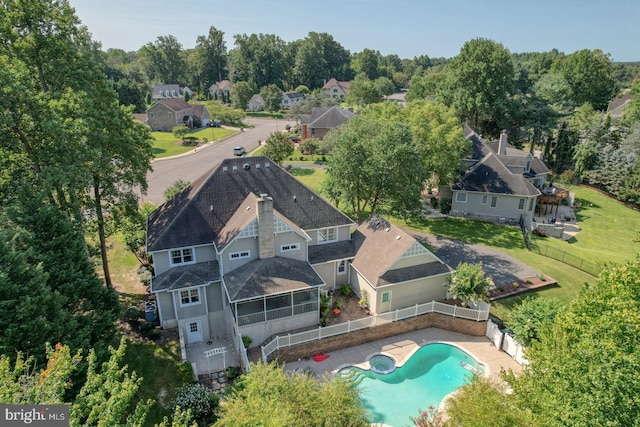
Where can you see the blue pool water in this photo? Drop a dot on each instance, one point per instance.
(434, 371)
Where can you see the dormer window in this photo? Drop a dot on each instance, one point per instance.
(182, 256)
(162, 93)
(528, 167)
(327, 235)
(173, 93)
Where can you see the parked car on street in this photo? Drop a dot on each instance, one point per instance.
(238, 151)
(214, 124)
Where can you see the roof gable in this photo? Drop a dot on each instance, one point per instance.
(177, 104)
(201, 212)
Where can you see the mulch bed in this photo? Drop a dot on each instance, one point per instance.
(520, 286)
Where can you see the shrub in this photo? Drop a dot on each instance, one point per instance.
(233, 372)
(186, 369)
(337, 304)
(246, 341)
(144, 274)
(200, 400)
(434, 202)
(132, 315)
(445, 206)
(345, 290)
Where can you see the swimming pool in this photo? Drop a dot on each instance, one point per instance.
(431, 373)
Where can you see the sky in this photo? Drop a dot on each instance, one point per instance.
(407, 28)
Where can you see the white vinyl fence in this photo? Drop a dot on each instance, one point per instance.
(505, 342)
(480, 314)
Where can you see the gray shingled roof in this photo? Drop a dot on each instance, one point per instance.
(270, 276)
(199, 213)
(379, 244)
(331, 252)
(490, 175)
(326, 117)
(186, 276)
(413, 272)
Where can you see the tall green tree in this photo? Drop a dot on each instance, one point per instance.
(278, 147)
(67, 133)
(107, 396)
(163, 61)
(367, 63)
(209, 60)
(66, 301)
(242, 93)
(590, 75)
(528, 317)
(389, 174)
(363, 91)
(435, 131)
(580, 371)
(319, 57)
(271, 97)
(478, 83)
(268, 397)
(259, 58)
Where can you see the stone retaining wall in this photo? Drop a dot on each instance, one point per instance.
(325, 345)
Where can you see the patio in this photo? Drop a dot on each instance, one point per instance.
(217, 360)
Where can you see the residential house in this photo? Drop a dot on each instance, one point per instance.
(617, 106)
(201, 117)
(161, 92)
(502, 183)
(290, 99)
(166, 114)
(321, 119)
(391, 270)
(336, 89)
(140, 117)
(248, 249)
(255, 103)
(221, 90)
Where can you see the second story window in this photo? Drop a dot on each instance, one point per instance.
(290, 247)
(190, 297)
(326, 235)
(342, 267)
(182, 256)
(239, 255)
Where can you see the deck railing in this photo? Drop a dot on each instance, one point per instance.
(319, 333)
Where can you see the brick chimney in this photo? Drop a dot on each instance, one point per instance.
(266, 232)
(502, 146)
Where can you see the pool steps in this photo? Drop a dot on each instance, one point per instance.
(355, 376)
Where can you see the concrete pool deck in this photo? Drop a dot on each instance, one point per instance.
(401, 347)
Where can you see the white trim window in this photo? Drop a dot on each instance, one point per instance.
(290, 247)
(342, 267)
(182, 256)
(494, 201)
(461, 197)
(327, 235)
(485, 198)
(189, 297)
(239, 255)
(521, 204)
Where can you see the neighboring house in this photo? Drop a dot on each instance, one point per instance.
(321, 119)
(502, 183)
(166, 114)
(336, 89)
(290, 99)
(221, 89)
(248, 249)
(161, 92)
(140, 117)
(255, 103)
(617, 106)
(201, 117)
(391, 270)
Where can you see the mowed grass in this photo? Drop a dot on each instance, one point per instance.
(159, 366)
(166, 145)
(311, 177)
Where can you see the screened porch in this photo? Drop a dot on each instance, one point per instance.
(272, 307)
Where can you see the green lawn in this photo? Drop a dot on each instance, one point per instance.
(167, 145)
(311, 177)
(160, 368)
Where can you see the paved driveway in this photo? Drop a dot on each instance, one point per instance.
(502, 268)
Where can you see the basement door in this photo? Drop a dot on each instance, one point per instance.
(194, 332)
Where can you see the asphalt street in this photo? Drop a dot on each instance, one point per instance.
(192, 165)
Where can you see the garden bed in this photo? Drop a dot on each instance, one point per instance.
(521, 285)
